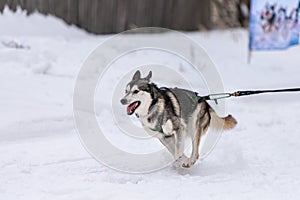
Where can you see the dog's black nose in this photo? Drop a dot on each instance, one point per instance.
(123, 101)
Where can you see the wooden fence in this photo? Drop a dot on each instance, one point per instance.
(113, 16)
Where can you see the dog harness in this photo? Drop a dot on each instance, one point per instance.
(192, 101)
(158, 125)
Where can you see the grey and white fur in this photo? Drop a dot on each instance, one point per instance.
(172, 115)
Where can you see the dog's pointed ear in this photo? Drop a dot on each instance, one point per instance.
(137, 75)
(149, 76)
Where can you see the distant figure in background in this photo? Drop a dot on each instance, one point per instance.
(273, 20)
(268, 18)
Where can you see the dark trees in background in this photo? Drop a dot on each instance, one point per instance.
(230, 13)
(113, 16)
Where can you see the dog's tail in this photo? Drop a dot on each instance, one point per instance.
(225, 123)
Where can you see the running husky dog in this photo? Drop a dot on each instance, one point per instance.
(172, 115)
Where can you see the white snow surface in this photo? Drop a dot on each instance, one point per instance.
(41, 154)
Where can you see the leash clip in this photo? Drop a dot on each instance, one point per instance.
(216, 97)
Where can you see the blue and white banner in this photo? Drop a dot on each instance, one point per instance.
(274, 24)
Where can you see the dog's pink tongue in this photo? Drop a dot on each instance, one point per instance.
(129, 108)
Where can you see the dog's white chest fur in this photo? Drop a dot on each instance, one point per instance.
(167, 127)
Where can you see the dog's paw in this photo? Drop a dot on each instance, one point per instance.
(188, 163)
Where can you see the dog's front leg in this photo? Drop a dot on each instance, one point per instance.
(177, 139)
(195, 148)
(171, 143)
(168, 142)
(179, 144)
(195, 151)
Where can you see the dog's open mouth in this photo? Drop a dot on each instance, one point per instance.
(132, 107)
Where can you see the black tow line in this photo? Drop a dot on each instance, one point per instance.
(216, 97)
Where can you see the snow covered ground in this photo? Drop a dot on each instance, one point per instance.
(41, 154)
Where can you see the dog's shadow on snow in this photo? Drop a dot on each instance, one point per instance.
(216, 165)
(210, 169)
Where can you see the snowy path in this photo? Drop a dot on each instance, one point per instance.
(256, 160)
(42, 157)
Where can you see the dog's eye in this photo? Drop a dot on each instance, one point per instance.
(135, 91)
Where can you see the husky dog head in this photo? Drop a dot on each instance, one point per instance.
(138, 95)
